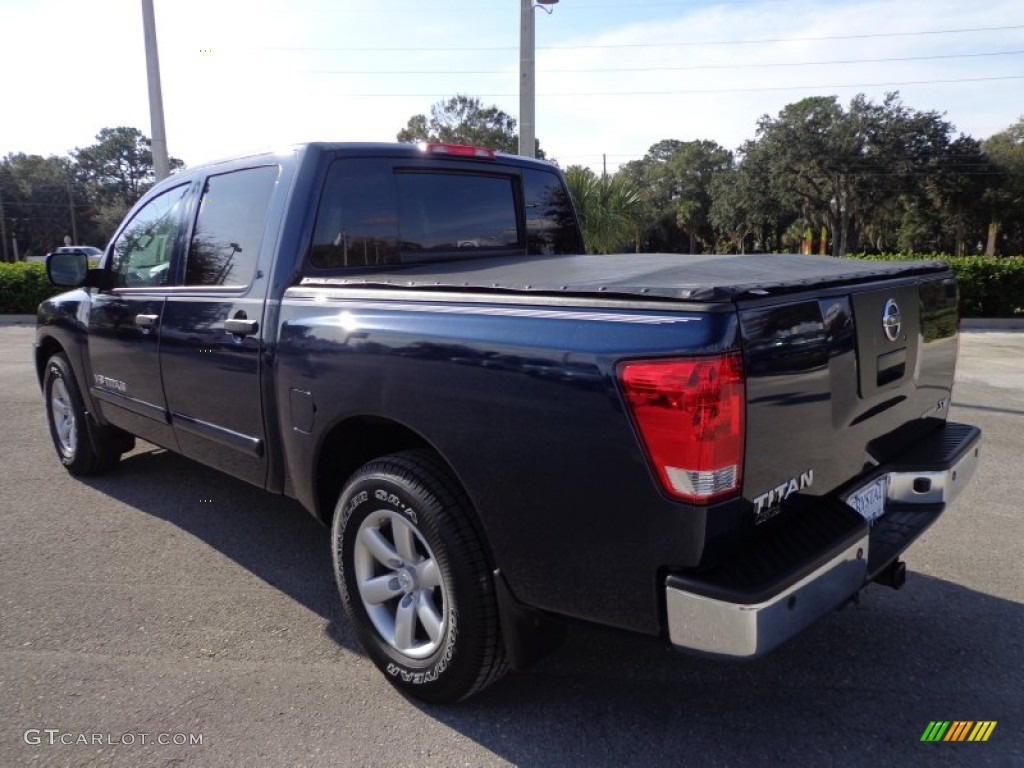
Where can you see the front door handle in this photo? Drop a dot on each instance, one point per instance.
(146, 321)
(241, 327)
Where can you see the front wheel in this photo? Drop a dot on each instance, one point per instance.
(82, 446)
(415, 579)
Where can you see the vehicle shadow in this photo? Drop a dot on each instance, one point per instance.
(859, 688)
(271, 536)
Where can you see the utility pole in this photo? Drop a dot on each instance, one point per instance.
(161, 166)
(3, 227)
(71, 210)
(14, 239)
(527, 77)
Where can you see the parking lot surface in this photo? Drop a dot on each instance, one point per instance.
(165, 604)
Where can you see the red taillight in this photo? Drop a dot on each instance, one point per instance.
(460, 150)
(689, 413)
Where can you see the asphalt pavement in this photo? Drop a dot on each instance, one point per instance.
(164, 614)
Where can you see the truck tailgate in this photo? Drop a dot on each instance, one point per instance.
(841, 381)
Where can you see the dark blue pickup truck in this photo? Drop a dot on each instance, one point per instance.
(501, 432)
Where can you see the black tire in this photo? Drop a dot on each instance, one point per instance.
(83, 447)
(447, 575)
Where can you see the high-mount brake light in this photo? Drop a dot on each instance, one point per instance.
(460, 150)
(689, 413)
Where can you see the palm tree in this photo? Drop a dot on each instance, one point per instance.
(609, 208)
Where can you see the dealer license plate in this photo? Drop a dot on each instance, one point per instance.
(869, 501)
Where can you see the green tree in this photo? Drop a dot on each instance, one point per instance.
(83, 196)
(806, 152)
(116, 171)
(691, 171)
(743, 212)
(675, 180)
(465, 120)
(609, 208)
(1005, 150)
(881, 171)
(915, 174)
(963, 174)
(120, 164)
(37, 194)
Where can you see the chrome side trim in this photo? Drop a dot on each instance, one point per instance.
(716, 627)
(511, 311)
(221, 435)
(140, 407)
(319, 290)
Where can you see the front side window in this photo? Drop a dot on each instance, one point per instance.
(142, 252)
(229, 227)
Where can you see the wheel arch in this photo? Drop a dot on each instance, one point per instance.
(351, 443)
(528, 633)
(46, 348)
(47, 345)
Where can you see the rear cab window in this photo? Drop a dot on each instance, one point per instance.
(451, 211)
(382, 211)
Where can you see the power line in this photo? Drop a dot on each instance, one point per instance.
(765, 89)
(663, 69)
(790, 87)
(646, 45)
(432, 10)
(792, 39)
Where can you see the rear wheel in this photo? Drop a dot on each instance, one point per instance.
(83, 447)
(415, 578)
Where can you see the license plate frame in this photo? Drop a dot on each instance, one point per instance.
(869, 499)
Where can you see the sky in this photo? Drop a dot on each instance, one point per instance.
(613, 77)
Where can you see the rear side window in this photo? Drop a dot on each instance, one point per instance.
(550, 219)
(372, 213)
(357, 224)
(229, 227)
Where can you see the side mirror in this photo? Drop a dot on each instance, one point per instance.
(71, 270)
(67, 270)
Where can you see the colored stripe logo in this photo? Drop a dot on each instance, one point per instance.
(959, 730)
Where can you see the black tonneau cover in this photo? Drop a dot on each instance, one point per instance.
(705, 277)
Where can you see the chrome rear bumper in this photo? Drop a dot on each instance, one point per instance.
(707, 625)
(917, 491)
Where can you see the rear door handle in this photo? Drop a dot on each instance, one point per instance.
(146, 321)
(241, 327)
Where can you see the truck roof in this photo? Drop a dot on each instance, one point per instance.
(356, 149)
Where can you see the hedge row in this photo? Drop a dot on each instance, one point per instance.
(989, 287)
(22, 286)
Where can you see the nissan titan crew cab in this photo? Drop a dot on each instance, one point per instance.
(500, 431)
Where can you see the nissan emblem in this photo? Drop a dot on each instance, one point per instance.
(891, 321)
